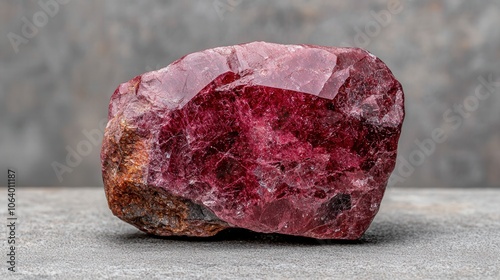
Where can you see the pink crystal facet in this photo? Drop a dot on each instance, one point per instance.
(291, 139)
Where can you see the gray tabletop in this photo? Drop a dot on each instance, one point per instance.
(430, 233)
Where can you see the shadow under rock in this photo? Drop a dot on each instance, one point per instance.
(397, 231)
(380, 232)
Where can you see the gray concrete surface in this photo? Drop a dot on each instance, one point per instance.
(418, 234)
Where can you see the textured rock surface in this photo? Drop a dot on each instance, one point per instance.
(296, 140)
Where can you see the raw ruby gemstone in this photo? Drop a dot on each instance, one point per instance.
(291, 139)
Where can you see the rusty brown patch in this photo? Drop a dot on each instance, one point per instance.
(149, 208)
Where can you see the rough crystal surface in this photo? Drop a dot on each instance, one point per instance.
(291, 139)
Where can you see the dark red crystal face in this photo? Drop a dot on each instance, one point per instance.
(296, 140)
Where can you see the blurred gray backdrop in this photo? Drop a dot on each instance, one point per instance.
(60, 61)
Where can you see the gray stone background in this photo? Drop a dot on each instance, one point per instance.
(56, 78)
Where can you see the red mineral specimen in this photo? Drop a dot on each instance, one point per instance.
(291, 139)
